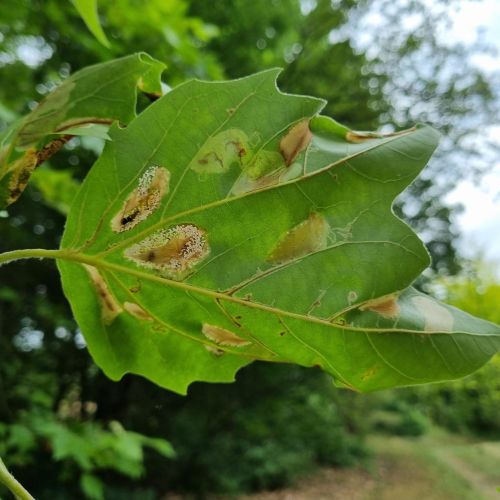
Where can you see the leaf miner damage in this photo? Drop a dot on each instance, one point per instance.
(171, 251)
(436, 317)
(386, 306)
(110, 308)
(137, 311)
(295, 141)
(143, 200)
(307, 237)
(222, 336)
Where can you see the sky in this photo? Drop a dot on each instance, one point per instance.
(480, 221)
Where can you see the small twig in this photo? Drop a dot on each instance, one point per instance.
(13, 484)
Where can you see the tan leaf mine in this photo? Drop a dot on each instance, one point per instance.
(308, 237)
(137, 311)
(296, 140)
(437, 318)
(386, 306)
(110, 308)
(214, 350)
(171, 251)
(222, 336)
(143, 200)
(357, 137)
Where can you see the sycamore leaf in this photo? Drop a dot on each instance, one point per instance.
(100, 94)
(229, 222)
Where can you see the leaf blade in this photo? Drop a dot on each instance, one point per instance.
(282, 262)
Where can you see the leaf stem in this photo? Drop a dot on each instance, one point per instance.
(31, 253)
(12, 484)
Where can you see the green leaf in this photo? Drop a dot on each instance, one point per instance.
(88, 11)
(229, 222)
(100, 94)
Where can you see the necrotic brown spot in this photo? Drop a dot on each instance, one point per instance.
(387, 306)
(296, 140)
(222, 336)
(110, 308)
(172, 251)
(144, 200)
(308, 237)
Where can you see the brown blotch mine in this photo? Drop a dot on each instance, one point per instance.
(222, 336)
(172, 251)
(296, 140)
(110, 308)
(143, 200)
(358, 137)
(21, 172)
(307, 237)
(137, 311)
(387, 306)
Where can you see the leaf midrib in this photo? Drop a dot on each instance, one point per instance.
(105, 265)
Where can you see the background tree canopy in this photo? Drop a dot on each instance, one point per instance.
(401, 71)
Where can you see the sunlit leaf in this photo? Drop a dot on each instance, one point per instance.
(229, 222)
(88, 11)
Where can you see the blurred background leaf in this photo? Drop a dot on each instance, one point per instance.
(88, 10)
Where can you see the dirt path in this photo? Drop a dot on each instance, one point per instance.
(481, 482)
(406, 469)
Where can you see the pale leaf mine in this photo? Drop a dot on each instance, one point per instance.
(436, 317)
(171, 251)
(143, 200)
(297, 139)
(222, 336)
(110, 308)
(307, 237)
(137, 311)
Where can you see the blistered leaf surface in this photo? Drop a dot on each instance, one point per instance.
(229, 222)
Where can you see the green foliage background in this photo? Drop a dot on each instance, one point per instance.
(277, 421)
